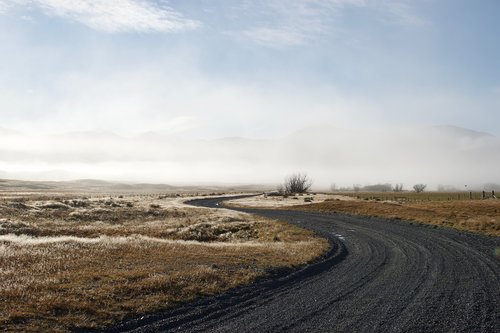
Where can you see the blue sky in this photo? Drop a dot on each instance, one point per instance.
(261, 69)
(250, 68)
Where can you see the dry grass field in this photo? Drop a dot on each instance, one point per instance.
(70, 262)
(442, 209)
(481, 216)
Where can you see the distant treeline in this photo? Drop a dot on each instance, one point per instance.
(386, 187)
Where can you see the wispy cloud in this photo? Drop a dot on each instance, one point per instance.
(275, 37)
(402, 13)
(294, 23)
(113, 15)
(287, 23)
(3, 6)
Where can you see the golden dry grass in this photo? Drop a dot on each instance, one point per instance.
(68, 263)
(481, 216)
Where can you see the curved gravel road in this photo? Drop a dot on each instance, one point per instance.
(380, 276)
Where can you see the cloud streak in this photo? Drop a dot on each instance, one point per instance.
(3, 7)
(275, 37)
(113, 16)
(295, 23)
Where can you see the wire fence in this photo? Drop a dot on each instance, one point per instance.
(423, 196)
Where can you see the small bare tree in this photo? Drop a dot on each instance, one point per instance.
(297, 183)
(419, 187)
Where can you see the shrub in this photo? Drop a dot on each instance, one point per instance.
(419, 187)
(297, 183)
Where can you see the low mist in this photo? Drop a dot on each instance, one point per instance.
(446, 156)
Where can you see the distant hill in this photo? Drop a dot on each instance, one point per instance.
(101, 186)
(461, 132)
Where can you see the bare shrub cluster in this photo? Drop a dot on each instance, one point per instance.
(296, 183)
(419, 188)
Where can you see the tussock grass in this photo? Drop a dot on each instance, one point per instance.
(75, 262)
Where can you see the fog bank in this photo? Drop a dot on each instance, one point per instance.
(438, 155)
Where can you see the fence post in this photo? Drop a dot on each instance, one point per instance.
(484, 194)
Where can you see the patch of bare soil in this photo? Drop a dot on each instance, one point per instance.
(276, 201)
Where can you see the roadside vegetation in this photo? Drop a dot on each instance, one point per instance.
(71, 262)
(295, 184)
(481, 216)
(452, 209)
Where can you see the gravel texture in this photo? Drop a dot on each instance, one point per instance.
(379, 276)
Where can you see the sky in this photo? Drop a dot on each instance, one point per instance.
(180, 73)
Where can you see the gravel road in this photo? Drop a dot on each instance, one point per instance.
(380, 276)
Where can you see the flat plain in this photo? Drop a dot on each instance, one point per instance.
(88, 260)
(72, 261)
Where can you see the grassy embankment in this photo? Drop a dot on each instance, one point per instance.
(74, 262)
(453, 210)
